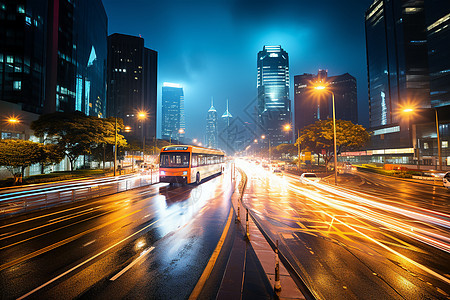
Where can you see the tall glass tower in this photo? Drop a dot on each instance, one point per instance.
(397, 67)
(274, 106)
(173, 123)
(211, 127)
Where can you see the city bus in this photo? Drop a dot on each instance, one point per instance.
(188, 164)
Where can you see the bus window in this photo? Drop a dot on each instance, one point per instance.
(194, 160)
(174, 160)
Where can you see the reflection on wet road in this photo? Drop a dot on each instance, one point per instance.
(150, 241)
(346, 243)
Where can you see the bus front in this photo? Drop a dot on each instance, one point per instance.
(174, 164)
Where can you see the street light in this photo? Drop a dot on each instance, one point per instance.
(288, 127)
(142, 115)
(411, 110)
(268, 140)
(13, 120)
(322, 87)
(180, 132)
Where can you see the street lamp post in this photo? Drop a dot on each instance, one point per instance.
(298, 149)
(180, 132)
(411, 110)
(115, 145)
(438, 140)
(268, 140)
(142, 116)
(322, 87)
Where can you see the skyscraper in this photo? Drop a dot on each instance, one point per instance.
(408, 45)
(211, 127)
(132, 77)
(226, 135)
(173, 122)
(397, 65)
(309, 108)
(274, 105)
(438, 40)
(53, 55)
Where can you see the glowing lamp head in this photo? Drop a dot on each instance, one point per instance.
(408, 110)
(320, 87)
(287, 127)
(13, 120)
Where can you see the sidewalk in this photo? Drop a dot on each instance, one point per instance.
(251, 265)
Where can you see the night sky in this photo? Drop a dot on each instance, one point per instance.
(210, 47)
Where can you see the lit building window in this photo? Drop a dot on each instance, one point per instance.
(425, 145)
(444, 144)
(17, 85)
(28, 20)
(9, 59)
(20, 9)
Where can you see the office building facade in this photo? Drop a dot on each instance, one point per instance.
(438, 41)
(407, 44)
(132, 84)
(310, 107)
(274, 108)
(212, 130)
(397, 67)
(53, 55)
(173, 120)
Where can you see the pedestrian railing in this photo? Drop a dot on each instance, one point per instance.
(279, 254)
(45, 197)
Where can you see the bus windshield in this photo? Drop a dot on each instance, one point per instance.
(174, 160)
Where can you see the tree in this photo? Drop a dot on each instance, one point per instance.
(53, 155)
(286, 149)
(16, 155)
(103, 150)
(75, 133)
(318, 137)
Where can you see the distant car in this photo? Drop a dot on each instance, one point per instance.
(308, 178)
(446, 180)
(277, 172)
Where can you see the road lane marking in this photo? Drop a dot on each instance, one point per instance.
(61, 243)
(212, 260)
(84, 262)
(88, 243)
(141, 256)
(418, 265)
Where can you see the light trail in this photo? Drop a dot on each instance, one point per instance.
(424, 225)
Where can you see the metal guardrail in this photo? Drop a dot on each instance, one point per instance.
(298, 279)
(42, 198)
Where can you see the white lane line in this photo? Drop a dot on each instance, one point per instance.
(141, 256)
(84, 262)
(88, 243)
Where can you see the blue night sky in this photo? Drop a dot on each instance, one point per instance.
(210, 46)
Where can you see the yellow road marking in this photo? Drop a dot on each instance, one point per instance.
(205, 275)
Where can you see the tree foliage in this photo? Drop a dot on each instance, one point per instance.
(318, 137)
(16, 155)
(76, 133)
(285, 149)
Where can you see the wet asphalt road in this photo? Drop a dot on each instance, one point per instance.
(151, 242)
(389, 239)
